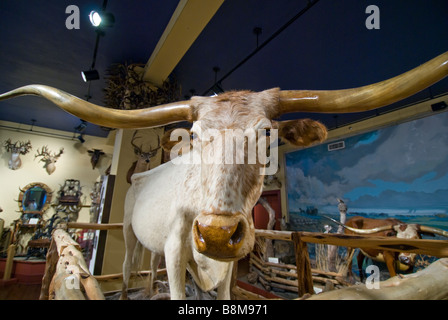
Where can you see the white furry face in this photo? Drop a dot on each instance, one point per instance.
(225, 138)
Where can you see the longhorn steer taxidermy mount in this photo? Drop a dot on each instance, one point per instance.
(48, 158)
(144, 158)
(198, 213)
(17, 148)
(386, 228)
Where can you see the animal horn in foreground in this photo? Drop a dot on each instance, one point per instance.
(114, 118)
(368, 97)
(331, 101)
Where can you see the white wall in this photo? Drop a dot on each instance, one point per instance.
(74, 163)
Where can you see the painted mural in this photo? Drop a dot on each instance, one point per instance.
(399, 171)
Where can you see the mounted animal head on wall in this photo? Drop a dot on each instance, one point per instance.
(144, 157)
(49, 158)
(17, 148)
(95, 156)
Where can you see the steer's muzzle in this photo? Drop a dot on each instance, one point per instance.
(406, 259)
(222, 236)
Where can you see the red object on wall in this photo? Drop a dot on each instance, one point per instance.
(261, 216)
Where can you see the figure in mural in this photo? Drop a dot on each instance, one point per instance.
(333, 250)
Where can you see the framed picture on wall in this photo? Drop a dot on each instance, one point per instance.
(400, 171)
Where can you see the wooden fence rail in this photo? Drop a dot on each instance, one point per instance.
(437, 248)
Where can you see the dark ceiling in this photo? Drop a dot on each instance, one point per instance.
(328, 47)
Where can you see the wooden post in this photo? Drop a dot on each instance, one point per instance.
(50, 269)
(66, 271)
(9, 262)
(304, 277)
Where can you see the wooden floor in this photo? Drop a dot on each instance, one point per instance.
(19, 291)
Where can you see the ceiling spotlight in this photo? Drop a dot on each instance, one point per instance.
(90, 75)
(81, 138)
(95, 18)
(81, 127)
(103, 19)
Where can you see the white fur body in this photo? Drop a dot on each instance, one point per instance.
(159, 213)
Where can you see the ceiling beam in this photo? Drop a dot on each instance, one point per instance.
(187, 22)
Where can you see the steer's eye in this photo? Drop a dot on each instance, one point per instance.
(193, 136)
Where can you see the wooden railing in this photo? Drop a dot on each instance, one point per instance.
(437, 248)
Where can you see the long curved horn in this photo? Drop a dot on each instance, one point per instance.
(362, 231)
(368, 97)
(369, 231)
(113, 118)
(434, 230)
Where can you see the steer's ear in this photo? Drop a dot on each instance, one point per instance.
(302, 132)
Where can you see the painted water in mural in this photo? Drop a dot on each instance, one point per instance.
(399, 171)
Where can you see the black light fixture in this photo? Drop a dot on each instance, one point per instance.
(438, 106)
(99, 19)
(102, 18)
(90, 75)
(80, 128)
(81, 138)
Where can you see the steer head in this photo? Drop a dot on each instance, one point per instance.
(223, 227)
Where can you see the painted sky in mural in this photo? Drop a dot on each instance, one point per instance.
(401, 169)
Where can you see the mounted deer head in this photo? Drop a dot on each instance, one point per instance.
(144, 158)
(95, 155)
(48, 158)
(17, 148)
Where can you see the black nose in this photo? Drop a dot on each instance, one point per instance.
(405, 260)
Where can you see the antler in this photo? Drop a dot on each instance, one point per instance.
(9, 146)
(137, 149)
(25, 147)
(152, 152)
(61, 151)
(43, 153)
(158, 145)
